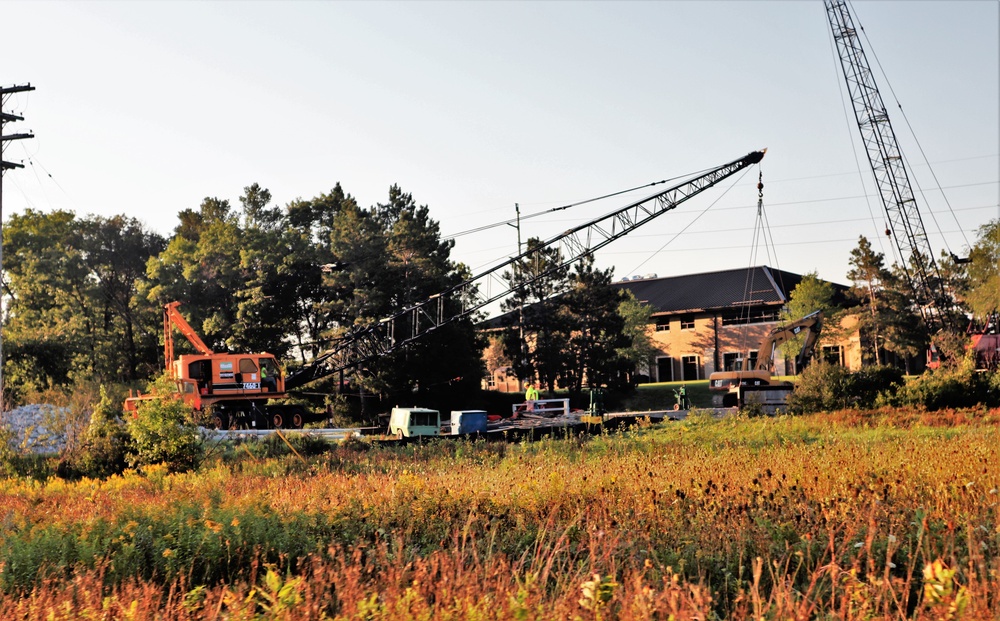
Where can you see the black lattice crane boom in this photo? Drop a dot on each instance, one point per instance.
(366, 343)
(906, 227)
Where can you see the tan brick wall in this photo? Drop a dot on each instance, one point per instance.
(701, 341)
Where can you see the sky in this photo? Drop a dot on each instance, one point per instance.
(146, 108)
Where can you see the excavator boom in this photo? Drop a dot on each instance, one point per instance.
(811, 323)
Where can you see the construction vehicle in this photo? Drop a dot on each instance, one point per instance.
(230, 385)
(234, 388)
(725, 385)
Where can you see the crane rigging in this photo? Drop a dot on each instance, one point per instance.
(905, 225)
(366, 343)
(245, 389)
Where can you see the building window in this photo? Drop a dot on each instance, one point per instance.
(687, 323)
(662, 324)
(690, 368)
(664, 369)
(751, 360)
(765, 315)
(834, 354)
(732, 362)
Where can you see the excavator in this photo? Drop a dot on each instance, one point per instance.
(235, 388)
(725, 385)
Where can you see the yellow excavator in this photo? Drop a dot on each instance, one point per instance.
(725, 385)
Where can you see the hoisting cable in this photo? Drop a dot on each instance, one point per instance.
(690, 224)
(486, 227)
(922, 154)
(748, 284)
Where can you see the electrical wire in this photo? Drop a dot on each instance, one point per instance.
(698, 217)
(838, 67)
(919, 147)
(510, 221)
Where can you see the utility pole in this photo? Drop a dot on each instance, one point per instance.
(5, 93)
(520, 306)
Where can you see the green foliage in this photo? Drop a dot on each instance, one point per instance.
(637, 317)
(388, 258)
(597, 330)
(821, 387)
(8, 455)
(826, 387)
(954, 386)
(567, 328)
(537, 329)
(73, 313)
(868, 275)
(984, 271)
(162, 432)
(810, 295)
(869, 384)
(105, 446)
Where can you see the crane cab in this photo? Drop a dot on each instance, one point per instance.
(217, 376)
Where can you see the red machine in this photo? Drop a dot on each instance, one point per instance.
(234, 388)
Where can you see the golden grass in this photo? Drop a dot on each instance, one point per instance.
(834, 516)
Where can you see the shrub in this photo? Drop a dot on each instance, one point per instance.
(869, 383)
(104, 449)
(162, 432)
(822, 386)
(8, 455)
(825, 386)
(951, 387)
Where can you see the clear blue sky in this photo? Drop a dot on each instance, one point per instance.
(145, 108)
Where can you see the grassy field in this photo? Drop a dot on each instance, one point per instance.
(847, 516)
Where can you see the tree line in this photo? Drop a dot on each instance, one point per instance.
(83, 296)
(881, 300)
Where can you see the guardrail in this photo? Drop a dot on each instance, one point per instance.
(542, 407)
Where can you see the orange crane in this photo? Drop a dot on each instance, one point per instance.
(235, 388)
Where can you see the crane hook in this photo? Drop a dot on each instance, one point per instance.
(760, 192)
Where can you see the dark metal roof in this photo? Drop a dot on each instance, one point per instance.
(727, 289)
(734, 289)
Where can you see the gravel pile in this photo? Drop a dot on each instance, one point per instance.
(38, 428)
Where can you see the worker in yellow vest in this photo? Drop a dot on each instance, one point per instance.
(531, 395)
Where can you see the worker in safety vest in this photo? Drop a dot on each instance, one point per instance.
(265, 381)
(531, 395)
